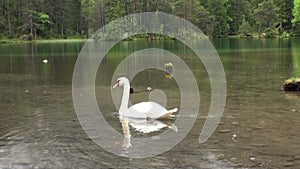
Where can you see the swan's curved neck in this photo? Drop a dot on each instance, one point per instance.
(125, 98)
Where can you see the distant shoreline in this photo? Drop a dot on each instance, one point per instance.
(10, 41)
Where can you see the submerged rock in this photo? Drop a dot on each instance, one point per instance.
(258, 145)
(235, 123)
(252, 158)
(297, 157)
(290, 159)
(225, 131)
(288, 164)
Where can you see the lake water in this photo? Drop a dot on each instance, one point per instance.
(259, 128)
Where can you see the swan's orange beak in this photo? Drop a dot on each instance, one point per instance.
(116, 85)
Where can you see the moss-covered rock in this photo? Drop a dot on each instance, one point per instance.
(292, 84)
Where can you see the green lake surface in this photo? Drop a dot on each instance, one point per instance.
(259, 128)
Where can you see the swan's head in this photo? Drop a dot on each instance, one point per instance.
(121, 82)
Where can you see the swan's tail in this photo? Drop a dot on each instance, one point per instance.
(168, 114)
(173, 127)
(173, 110)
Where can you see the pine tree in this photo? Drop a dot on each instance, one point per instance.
(220, 19)
(266, 15)
(296, 11)
(238, 9)
(285, 15)
(296, 14)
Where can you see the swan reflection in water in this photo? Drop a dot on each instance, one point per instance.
(142, 126)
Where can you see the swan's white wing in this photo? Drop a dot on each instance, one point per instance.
(149, 109)
(146, 126)
(142, 107)
(139, 111)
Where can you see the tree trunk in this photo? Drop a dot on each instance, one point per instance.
(8, 19)
(62, 32)
(259, 30)
(31, 26)
(35, 34)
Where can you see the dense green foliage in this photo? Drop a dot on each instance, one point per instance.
(296, 14)
(80, 18)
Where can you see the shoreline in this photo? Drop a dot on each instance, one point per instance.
(15, 41)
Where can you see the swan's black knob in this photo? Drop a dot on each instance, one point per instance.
(131, 90)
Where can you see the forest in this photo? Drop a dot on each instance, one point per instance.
(51, 19)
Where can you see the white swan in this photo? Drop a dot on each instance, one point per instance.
(143, 110)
